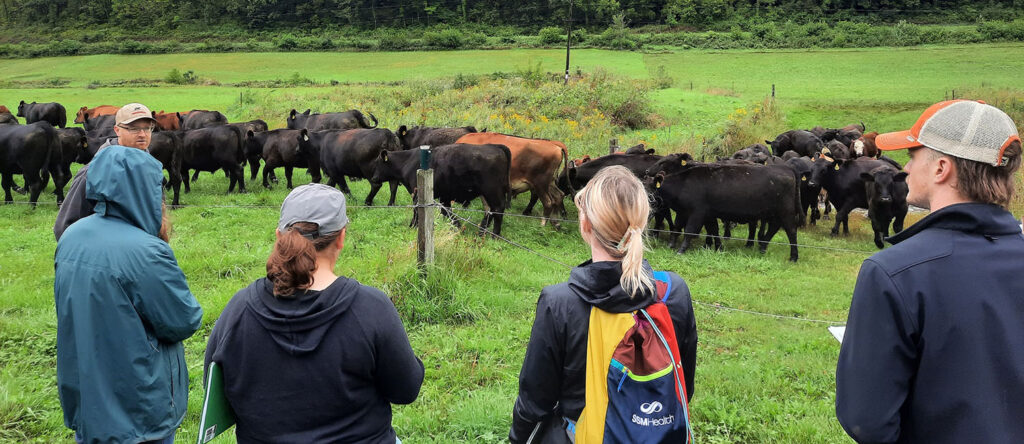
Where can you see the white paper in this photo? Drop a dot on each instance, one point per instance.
(838, 332)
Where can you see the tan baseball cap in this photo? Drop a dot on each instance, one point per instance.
(132, 112)
(966, 129)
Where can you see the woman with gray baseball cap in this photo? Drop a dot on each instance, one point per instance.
(307, 355)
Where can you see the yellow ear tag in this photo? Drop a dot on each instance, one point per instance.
(803, 179)
(683, 163)
(837, 167)
(305, 138)
(85, 144)
(385, 157)
(657, 184)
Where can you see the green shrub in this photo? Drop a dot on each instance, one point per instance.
(993, 30)
(551, 35)
(286, 42)
(177, 77)
(394, 41)
(449, 38)
(134, 47)
(66, 47)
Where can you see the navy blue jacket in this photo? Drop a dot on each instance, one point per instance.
(324, 366)
(552, 381)
(934, 344)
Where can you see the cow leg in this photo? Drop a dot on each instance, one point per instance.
(59, 180)
(897, 223)
(195, 176)
(266, 171)
(288, 176)
(791, 235)
(773, 227)
(828, 206)
(548, 201)
(711, 228)
(533, 201)
(175, 183)
(394, 192)
(254, 167)
(239, 173)
(843, 215)
(751, 231)
(184, 178)
(374, 188)
(693, 225)
(446, 209)
(7, 182)
(34, 183)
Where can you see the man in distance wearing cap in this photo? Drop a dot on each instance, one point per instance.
(133, 125)
(934, 344)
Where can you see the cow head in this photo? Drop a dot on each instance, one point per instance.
(82, 154)
(311, 151)
(880, 184)
(21, 109)
(670, 164)
(822, 169)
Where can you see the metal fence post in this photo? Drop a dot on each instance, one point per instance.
(424, 213)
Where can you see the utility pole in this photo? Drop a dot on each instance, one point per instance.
(568, 42)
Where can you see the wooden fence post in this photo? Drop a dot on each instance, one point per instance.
(613, 146)
(773, 90)
(424, 213)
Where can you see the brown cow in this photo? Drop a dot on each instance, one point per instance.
(534, 167)
(102, 110)
(167, 121)
(865, 145)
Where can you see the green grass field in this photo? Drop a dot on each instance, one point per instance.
(759, 379)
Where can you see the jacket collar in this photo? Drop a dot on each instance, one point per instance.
(974, 218)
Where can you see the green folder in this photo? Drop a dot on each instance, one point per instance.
(217, 415)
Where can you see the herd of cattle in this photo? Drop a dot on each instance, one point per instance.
(768, 187)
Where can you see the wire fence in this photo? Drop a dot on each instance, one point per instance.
(455, 214)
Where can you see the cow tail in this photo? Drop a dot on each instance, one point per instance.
(362, 119)
(508, 171)
(565, 169)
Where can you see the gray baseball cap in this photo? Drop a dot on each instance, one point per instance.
(315, 203)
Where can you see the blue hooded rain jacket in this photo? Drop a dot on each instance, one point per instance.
(123, 308)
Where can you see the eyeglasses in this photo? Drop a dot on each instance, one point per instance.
(136, 130)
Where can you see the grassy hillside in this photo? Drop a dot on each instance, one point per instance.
(760, 379)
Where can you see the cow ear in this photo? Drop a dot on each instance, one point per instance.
(402, 130)
(658, 179)
(384, 156)
(867, 177)
(305, 134)
(768, 141)
(291, 115)
(249, 134)
(22, 103)
(179, 117)
(804, 177)
(682, 161)
(900, 176)
(650, 151)
(306, 111)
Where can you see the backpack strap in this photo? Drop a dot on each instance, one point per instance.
(662, 276)
(675, 371)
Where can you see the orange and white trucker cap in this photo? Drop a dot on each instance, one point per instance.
(132, 112)
(966, 129)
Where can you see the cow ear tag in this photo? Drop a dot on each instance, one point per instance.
(683, 162)
(837, 167)
(305, 138)
(803, 179)
(85, 144)
(385, 157)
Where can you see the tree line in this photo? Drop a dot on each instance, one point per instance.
(529, 14)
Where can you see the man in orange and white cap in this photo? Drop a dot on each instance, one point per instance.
(934, 343)
(133, 125)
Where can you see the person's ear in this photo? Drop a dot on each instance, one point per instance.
(340, 241)
(944, 170)
(277, 234)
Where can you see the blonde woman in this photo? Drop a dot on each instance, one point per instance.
(613, 213)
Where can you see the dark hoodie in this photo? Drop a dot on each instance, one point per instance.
(324, 366)
(934, 344)
(552, 381)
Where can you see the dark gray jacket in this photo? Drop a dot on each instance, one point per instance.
(934, 344)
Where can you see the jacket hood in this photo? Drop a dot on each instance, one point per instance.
(975, 218)
(597, 283)
(127, 183)
(298, 325)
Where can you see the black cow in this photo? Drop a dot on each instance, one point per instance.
(638, 149)
(421, 135)
(844, 184)
(214, 148)
(351, 153)
(286, 148)
(756, 153)
(741, 193)
(52, 112)
(198, 118)
(836, 150)
(805, 143)
(98, 123)
(350, 119)
(575, 178)
(252, 156)
(30, 150)
(886, 190)
(802, 168)
(169, 148)
(462, 172)
(669, 163)
(74, 147)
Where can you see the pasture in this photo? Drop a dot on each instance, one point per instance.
(759, 378)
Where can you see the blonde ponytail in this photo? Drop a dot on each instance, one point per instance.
(617, 206)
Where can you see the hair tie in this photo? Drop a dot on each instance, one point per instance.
(621, 247)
